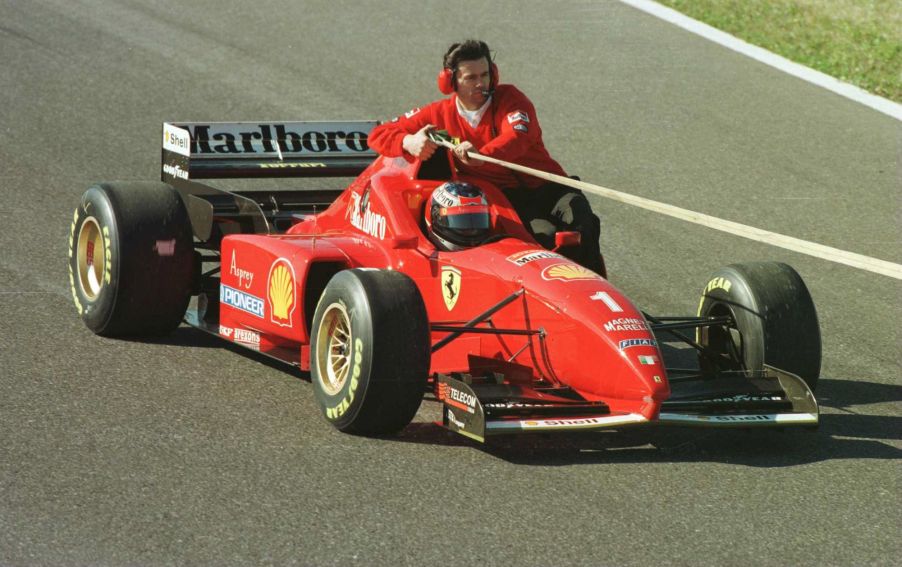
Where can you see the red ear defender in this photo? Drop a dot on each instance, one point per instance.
(446, 81)
(496, 78)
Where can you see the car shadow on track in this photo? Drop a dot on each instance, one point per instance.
(186, 336)
(843, 434)
(844, 394)
(183, 336)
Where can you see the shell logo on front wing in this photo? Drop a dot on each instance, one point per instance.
(568, 271)
(281, 292)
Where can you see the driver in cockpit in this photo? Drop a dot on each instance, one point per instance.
(457, 216)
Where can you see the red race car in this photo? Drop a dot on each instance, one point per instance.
(510, 337)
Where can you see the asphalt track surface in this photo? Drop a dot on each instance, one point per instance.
(181, 451)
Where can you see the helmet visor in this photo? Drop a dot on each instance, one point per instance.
(467, 217)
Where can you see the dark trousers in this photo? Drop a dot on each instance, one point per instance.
(552, 208)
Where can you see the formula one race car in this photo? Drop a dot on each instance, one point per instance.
(509, 336)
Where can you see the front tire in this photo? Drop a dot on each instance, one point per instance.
(131, 259)
(369, 351)
(775, 320)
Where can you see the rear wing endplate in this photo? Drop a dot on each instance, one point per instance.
(220, 150)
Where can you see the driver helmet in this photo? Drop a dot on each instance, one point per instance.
(458, 215)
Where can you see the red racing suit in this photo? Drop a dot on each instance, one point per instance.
(509, 130)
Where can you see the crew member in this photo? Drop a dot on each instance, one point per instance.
(495, 120)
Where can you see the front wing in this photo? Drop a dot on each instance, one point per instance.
(479, 408)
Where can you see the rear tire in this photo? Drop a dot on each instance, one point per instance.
(776, 322)
(131, 259)
(369, 351)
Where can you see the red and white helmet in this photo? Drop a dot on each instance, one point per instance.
(458, 215)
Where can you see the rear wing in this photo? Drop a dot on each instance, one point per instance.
(219, 150)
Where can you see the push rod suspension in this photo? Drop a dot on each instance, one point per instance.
(484, 330)
(693, 323)
(458, 331)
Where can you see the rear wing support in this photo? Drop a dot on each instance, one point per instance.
(195, 151)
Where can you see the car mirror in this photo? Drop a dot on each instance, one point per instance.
(566, 239)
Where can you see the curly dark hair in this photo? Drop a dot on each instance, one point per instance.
(468, 50)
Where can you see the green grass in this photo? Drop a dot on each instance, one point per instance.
(857, 41)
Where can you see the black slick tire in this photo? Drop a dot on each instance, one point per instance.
(131, 259)
(775, 319)
(369, 351)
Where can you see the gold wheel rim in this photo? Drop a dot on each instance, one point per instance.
(91, 254)
(333, 349)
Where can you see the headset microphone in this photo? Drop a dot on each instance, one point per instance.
(493, 76)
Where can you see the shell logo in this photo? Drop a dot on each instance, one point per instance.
(567, 272)
(281, 292)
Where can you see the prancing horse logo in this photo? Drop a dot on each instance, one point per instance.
(450, 282)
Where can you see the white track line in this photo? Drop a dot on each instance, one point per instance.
(832, 84)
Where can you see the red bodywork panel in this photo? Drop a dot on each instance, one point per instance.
(593, 339)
